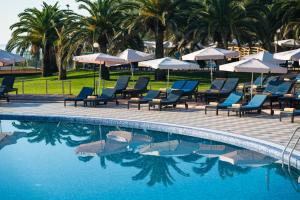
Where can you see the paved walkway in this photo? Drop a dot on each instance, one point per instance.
(264, 126)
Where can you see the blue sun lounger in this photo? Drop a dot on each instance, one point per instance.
(84, 93)
(152, 94)
(255, 104)
(233, 98)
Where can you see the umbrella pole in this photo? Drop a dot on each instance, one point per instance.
(261, 79)
(95, 90)
(251, 85)
(211, 71)
(168, 79)
(131, 68)
(100, 78)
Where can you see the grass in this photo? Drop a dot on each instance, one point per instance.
(35, 84)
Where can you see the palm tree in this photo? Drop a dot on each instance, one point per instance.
(159, 18)
(224, 20)
(36, 29)
(289, 13)
(101, 24)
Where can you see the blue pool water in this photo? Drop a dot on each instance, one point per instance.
(74, 161)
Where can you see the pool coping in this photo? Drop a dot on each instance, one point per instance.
(258, 145)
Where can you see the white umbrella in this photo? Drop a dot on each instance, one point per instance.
(211, 53)
(253, 66)
(99, 58)
(246, 158)
(288, 43)
(169, 64)
(152, 44)
(288, 55)
(7, 58)
(169, 148)
(264, 56)
(131, 56)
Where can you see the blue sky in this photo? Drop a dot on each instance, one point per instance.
(11, 8)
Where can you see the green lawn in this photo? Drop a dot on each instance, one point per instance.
(37, 84)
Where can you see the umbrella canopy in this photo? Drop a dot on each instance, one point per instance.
(170, 64)
(253, 66)
(264, 56)
(247, 158)
(288, 43)
(288, 55)
(211, 53)
(169, 148)
(131, 56)
(7, 58)
(99, 58)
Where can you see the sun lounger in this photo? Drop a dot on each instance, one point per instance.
(152, 94)
(233, 98)
(291, 112)
(216, 85)
(121, 84)
(140, 87)
(8, 84)
(107, 95)
(173, 99)
(84, 93)
(3, 94)
(190, 88)
(255, 104)
(228, 87)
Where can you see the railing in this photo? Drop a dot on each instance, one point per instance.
(45, 87)
(293, 147)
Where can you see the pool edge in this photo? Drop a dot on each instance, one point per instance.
(265, 147)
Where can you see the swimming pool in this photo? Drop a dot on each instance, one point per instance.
(61, 160)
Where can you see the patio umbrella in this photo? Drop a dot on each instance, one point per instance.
(211, 53)
(264, 56)
(169, 148)
(253, 66)
(288, 55)
(247, 158)
(170, 64)
(288, 43)
(131, 56)
(99, 58)
(7, 58)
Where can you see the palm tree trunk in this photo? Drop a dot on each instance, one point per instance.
(160, 75)
(46, 69)
(159, 43)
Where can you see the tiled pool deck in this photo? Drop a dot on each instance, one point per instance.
(264, 128)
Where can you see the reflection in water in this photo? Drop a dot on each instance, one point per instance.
(158, 157)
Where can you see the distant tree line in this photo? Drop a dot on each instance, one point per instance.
(58, 34)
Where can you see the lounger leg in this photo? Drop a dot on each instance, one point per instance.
(240, 113)
(160, 107)
(280, 116)
(65, 103)
(186, 106)
(217, 111)
(127, 105)
(139, 106)
(228, 112)
(75, 103)
(205, 110)
(149, 106)
(117, 102)
(293, 118)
